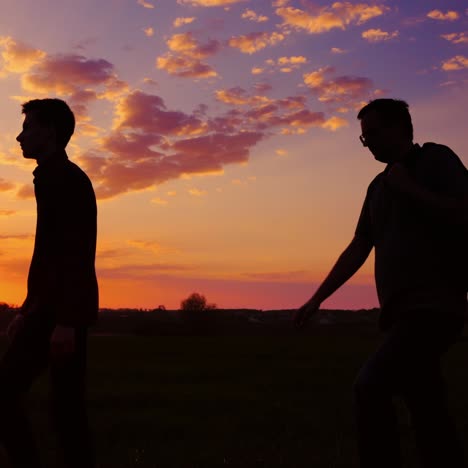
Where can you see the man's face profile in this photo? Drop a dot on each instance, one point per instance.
(382, 138)
(35, 137)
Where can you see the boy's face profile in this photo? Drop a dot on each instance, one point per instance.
(35, 138)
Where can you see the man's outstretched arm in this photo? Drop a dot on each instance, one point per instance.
(347, 264)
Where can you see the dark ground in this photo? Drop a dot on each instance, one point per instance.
(264, 400)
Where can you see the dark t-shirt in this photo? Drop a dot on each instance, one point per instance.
(420, 260)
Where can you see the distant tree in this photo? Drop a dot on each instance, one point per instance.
(196, 303)
(198, 314)
(161, 307)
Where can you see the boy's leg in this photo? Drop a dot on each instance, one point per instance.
(68, 406)
(24, 360)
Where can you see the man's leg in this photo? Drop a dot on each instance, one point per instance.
(24, 360)
(68, 406)
(436, 437)
(376, 419)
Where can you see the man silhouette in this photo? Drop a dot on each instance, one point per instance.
(415, 216)
(62, 299)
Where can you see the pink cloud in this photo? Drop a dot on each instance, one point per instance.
(262, 87)
(80, 79)
(344, 89)
(65, 74)
(147, 113)
(150, 145)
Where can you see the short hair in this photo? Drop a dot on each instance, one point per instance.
(53, 112)
(391, 110)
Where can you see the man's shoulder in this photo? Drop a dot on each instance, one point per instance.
(441, 159)
(435, 152)
(376, 182)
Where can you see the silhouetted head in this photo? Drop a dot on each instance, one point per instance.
(387, 129)
(47, 128)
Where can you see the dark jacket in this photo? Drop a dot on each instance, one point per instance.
(62, 279)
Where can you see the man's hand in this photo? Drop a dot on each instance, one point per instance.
(62, 343)
(14, 326)
(303, 314)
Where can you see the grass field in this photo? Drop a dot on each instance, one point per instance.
(233, 401)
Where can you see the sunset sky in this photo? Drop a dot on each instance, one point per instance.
(221, 135)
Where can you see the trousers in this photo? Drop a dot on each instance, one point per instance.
(408, 365)
(26, 358)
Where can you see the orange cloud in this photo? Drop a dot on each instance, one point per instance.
(292, 60)
(197, 192)
(185, 57)
(317, 77)
(287, 64)
(178, 22)
(257, 70)
(150, 82)
(456, 38)
(339, 15)
(238, 96)
(334, 123)
(18, 57)
(159, 201)
(145, 4)
(152, 246)
(185, 67)
(252, 16)
(6, 185)
(253, 42)
(7, 212)
(208, 3)
(139, 271)
(377, 35)
(439, 15)
(185, 43)
(459, 62)
(149, 32)
(25, 192)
